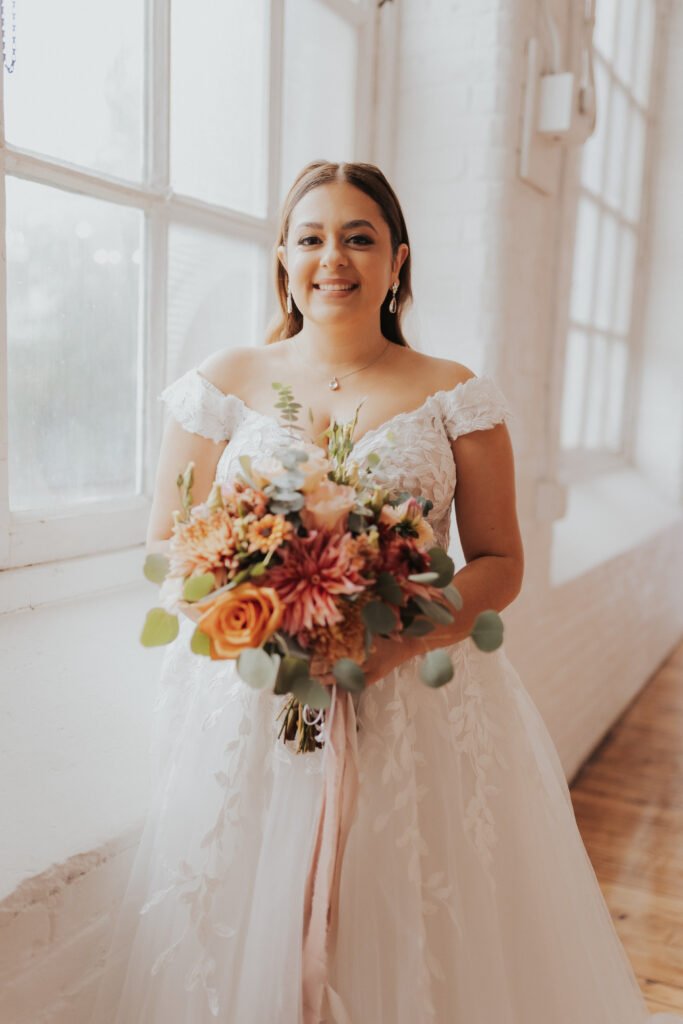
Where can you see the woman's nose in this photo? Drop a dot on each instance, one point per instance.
(333, 253)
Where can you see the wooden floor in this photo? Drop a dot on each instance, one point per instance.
(628, 800)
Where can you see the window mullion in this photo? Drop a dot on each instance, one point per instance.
(276, 45)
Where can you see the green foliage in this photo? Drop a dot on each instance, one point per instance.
(442, 564)
(160, 628)
(184, 483)
(309, 691)
(487, 631)
(200, 643)
(257, 668)
(434, 611)
(388, 588)
(288, 407)
(197, 587)
(379, 617)
(436, 668)
(156, 567)
(349, 675)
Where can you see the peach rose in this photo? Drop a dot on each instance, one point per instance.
(328, 506)
(314, 469)
(239, 618)
(264, 468)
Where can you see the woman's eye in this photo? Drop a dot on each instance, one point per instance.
(355, 238)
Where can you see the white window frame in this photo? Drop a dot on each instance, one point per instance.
(28, 538)
(577, 464)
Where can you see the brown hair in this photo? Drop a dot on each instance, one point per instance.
(369, 179)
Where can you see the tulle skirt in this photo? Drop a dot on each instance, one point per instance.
(466, 893)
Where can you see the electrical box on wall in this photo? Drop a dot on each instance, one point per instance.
(558, 107)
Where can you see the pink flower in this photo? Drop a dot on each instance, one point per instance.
(315, 468)
(328, 506)
(315, 572)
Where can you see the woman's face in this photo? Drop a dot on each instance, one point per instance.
(323, 245)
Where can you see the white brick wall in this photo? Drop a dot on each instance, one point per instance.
(486, 254)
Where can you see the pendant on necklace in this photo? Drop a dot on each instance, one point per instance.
(333, 384)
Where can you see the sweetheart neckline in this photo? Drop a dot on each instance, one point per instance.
(402, 414)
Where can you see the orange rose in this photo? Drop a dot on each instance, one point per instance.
(240, 618)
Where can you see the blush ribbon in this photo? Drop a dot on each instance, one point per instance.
(338, 807)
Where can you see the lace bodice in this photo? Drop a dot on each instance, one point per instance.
(414, 446)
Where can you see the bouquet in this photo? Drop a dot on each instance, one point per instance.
(295, 567)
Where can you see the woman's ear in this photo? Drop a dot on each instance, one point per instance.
(282, 255)
(401, 257)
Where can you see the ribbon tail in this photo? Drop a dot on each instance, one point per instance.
(337, 812)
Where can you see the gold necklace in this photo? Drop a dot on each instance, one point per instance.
(333, 383)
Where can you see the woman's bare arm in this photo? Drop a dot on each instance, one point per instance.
(178, 447)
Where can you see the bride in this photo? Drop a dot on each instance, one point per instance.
(465, 894)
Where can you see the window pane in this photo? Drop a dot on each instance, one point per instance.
(585, 249)
(73, 288)
(576, 358)
(633, 190)
(219, 91)
(605, 27)
(76, 91)
(616, 147)
(624, 295)
(606, 271)
(614, 412)
(626, 26)
(319, 87)
(214, 286)
(596, 391)
(644, 42)
(593, 157)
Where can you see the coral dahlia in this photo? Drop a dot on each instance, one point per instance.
(314, 573)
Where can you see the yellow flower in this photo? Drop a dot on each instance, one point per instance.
(268, 533)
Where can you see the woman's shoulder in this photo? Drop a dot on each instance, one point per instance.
(229, 368)
(436, 373)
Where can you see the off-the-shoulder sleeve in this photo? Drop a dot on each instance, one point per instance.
(476, 404)
(202, 408)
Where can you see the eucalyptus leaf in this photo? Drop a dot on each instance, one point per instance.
(442, 564)
(436, 668)
(156, 567)
(161, 627)
(434, 611)
(309, 691)
(200, 643)
(292, 670)
(349, 675)
(257, 668)
(424, 577)
(487, 631)
(199, 586)
(452, 594)
(379, 617)
(388, 588)
(419, 627)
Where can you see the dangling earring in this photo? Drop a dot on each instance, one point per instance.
(289, 299)
(392, 304)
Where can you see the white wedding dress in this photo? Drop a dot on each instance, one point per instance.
(466, 893)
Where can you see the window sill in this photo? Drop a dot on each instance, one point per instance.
(607, 516)
(53, 582)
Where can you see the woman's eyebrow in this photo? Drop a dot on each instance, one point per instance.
(349, 224)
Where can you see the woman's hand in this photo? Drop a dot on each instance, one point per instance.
(388, 654)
